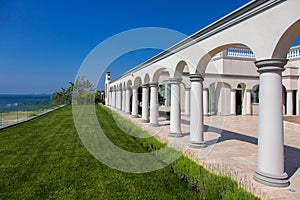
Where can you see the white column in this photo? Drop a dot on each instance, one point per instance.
(175, 115)
(187, 101)
(196, 118)
(153, 104)
(120, 99)
(114, 98)
(117, 99)
(233, 102)
(270, 169)
(167, 90)
(127, 103)
(289, 102)
(248, 101)
(123, 99)
(205, 101)
(109, 101)
(134, 101)
(145, 103)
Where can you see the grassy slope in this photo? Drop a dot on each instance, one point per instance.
(45, 158)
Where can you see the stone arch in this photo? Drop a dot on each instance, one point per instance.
(181, 65)
(137, 81)
(146, 78)
(286, 40)
(206, 58)
(129, 83)
(157, 73)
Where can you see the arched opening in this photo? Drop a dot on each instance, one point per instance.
(255, 99)
(219, 98)
(283, 100)
(228, 63)
(239, 98)
(138, 83)
(255, 94)
(164, 91)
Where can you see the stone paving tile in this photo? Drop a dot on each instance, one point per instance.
(232, 150)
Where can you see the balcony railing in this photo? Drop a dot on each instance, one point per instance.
(239, 52)
(242, 52)
(294, 52)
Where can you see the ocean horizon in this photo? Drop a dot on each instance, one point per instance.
(14, 102)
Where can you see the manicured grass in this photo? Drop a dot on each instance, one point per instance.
(45, 159)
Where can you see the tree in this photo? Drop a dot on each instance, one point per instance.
(83, 91)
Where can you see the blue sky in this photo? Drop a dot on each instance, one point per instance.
(43, 43)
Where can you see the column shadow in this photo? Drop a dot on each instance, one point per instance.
(291, 154)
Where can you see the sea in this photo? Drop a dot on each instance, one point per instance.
(24, 102)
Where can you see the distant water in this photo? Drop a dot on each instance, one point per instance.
(26, 102)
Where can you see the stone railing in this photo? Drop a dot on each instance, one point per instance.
(239, 53)
(294, 52)
(243, 52)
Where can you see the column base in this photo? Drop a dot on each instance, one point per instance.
(206, 115)
(233, 114)
(128, 113)
(134, 116)
(248, 114)
(153, 125)
(197, 145)
(176, 135)
(145, 120)
(280, 180)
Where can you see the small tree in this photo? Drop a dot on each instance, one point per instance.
(83, 91)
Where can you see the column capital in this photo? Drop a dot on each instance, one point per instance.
(205, 89)
(187, 88)
(175, 80)
(248, 90)
(196, 77)
(233, 90)
(153, 84)
(289, 90)
(271, 65)
(146, 85)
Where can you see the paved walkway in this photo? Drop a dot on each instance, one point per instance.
(232, 151)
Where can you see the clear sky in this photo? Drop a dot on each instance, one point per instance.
(43, 43)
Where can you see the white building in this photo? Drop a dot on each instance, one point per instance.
(223, 78)
(231, 84)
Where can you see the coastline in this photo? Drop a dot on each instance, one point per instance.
(17, 117)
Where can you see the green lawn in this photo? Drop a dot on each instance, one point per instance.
(45, 159)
